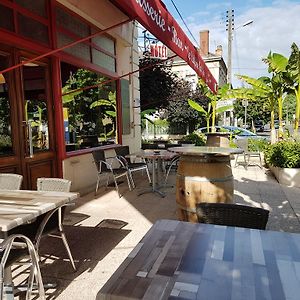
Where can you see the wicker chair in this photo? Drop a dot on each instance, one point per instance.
(9, 181)
(103, 167)
(53, 221)
(11, 251)
(122, 153)
(232, 215)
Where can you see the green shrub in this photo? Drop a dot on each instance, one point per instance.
(257, 144)
(284, 154)
(195, 138)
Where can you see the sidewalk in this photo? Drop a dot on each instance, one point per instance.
(100, 246)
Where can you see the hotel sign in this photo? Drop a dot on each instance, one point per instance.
(154, 16)
(159, 51)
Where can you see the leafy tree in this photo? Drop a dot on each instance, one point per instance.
(157, 84)
(293, 79)
(212, 109)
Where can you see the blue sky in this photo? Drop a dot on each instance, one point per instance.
(276, 24)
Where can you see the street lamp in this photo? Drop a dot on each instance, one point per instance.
(230, 29)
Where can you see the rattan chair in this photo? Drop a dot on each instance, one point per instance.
(12, 249)
(106, 168)
(232, 215)
(122, 153)
(9, 181)
(53, 221)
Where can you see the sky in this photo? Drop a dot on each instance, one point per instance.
(276, 24)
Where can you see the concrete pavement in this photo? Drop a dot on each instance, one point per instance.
(103, 229)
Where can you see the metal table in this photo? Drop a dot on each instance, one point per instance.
(181, 260)
(156, 157)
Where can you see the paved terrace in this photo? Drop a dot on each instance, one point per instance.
(103, 229)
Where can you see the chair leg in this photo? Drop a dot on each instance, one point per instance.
(116, 185)
(64, 239)
(260, 161)
(236, 160)
(97, 184)
(129, 177)
(148, 174)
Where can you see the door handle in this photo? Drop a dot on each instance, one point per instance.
(29, 133)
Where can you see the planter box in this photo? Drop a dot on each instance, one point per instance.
(287, 176)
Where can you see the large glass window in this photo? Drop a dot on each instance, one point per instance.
(89, 114)
(35, 103)
(5, 127)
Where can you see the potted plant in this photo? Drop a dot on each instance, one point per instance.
(193, 139)
(283, 159)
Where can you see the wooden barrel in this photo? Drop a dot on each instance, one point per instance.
(217, 139)
(202, 179)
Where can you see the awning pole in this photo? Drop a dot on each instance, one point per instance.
(64, 47)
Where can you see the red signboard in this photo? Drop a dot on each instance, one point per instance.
(158, 51)
(154, 16)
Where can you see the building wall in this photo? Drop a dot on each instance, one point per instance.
(81, 169)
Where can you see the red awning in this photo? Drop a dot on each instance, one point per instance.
(153, 15)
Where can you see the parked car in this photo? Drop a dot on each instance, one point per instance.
(238, 132)
(259, 126)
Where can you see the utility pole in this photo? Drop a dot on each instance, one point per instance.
(229, 29)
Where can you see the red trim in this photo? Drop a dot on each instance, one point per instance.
(58, 115)
(64, 47)
(154, 16)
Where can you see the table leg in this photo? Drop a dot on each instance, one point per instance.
(154, 188)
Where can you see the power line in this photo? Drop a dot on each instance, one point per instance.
(185, 23)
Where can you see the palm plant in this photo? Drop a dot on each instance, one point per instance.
(213, 108)
(277, 66)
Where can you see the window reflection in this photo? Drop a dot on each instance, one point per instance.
(89, 115)
(5, 127)
(34, 78)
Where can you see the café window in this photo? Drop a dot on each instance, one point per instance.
(5, 126)
(89, 114)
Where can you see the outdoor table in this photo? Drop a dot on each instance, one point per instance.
(20, 207)
(154, 156)
(181, 260)
(217, 139)
(203, 175)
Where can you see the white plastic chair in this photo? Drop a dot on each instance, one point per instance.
(9, 181)
(243, 144)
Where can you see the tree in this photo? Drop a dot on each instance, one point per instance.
(157, 84)
(277, 67)
(293, 79)
(212, 109)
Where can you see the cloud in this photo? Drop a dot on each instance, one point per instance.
(275, 27)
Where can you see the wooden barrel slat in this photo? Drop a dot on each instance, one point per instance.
(202, 179)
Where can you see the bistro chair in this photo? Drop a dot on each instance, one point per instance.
(53, 221)
(12, 249)
(9, 181)
(232, 215)
(106, 168)
(171, 165)
(122, 154)
(244, 145)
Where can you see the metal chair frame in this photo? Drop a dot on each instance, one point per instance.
(103, 167)
(243, 144)
(35, 274)
(122, 152)
(173, 162)
(55, 217)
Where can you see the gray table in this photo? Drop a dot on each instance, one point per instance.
(181, 260)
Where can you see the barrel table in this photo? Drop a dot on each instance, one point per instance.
(203, 175)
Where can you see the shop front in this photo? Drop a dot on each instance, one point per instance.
(50, 117)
